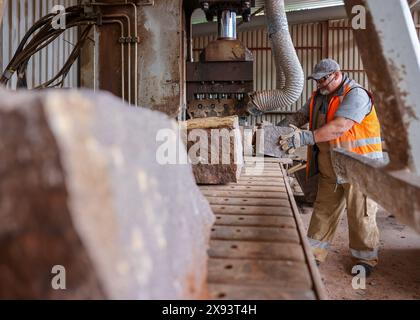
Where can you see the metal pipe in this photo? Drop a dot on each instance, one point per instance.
(136, 52)
(227, 24)
(286, 60)
(128, 49)
(122, 53)
(126, 3)
(188, 31)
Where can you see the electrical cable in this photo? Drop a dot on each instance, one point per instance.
(39, 36)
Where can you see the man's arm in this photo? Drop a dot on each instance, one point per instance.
(333, 130)
(356, 105)
(354, 108)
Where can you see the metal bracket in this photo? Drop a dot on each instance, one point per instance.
(129, 40)
(90, 11)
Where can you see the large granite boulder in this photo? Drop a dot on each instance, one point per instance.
(81, 189)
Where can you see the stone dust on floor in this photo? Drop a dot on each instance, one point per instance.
(397, 276)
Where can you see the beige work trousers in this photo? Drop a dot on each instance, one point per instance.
(331, 202)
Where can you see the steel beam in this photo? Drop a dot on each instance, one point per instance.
(391, 56)
(390, 52)
(397, 191)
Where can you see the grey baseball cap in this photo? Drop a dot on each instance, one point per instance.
(324, 68)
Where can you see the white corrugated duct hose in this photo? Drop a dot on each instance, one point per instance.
(287, 64)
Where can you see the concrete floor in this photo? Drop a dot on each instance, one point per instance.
(396, 277)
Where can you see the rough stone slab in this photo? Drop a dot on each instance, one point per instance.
(231, 122)
(269, 145)
(81, 187)
(215, 173)
(216, 166)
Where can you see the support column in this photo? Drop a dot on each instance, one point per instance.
(390, 52)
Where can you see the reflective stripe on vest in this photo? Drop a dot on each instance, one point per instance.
(370, 147)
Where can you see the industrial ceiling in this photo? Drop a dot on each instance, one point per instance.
(294, 5)
(291, 5)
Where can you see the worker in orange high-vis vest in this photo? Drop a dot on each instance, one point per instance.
(340, 114)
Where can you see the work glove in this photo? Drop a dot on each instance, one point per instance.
(296, 139)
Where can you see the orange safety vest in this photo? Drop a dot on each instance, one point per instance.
(363, 139)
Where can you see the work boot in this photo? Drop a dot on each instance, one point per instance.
(368, 268)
